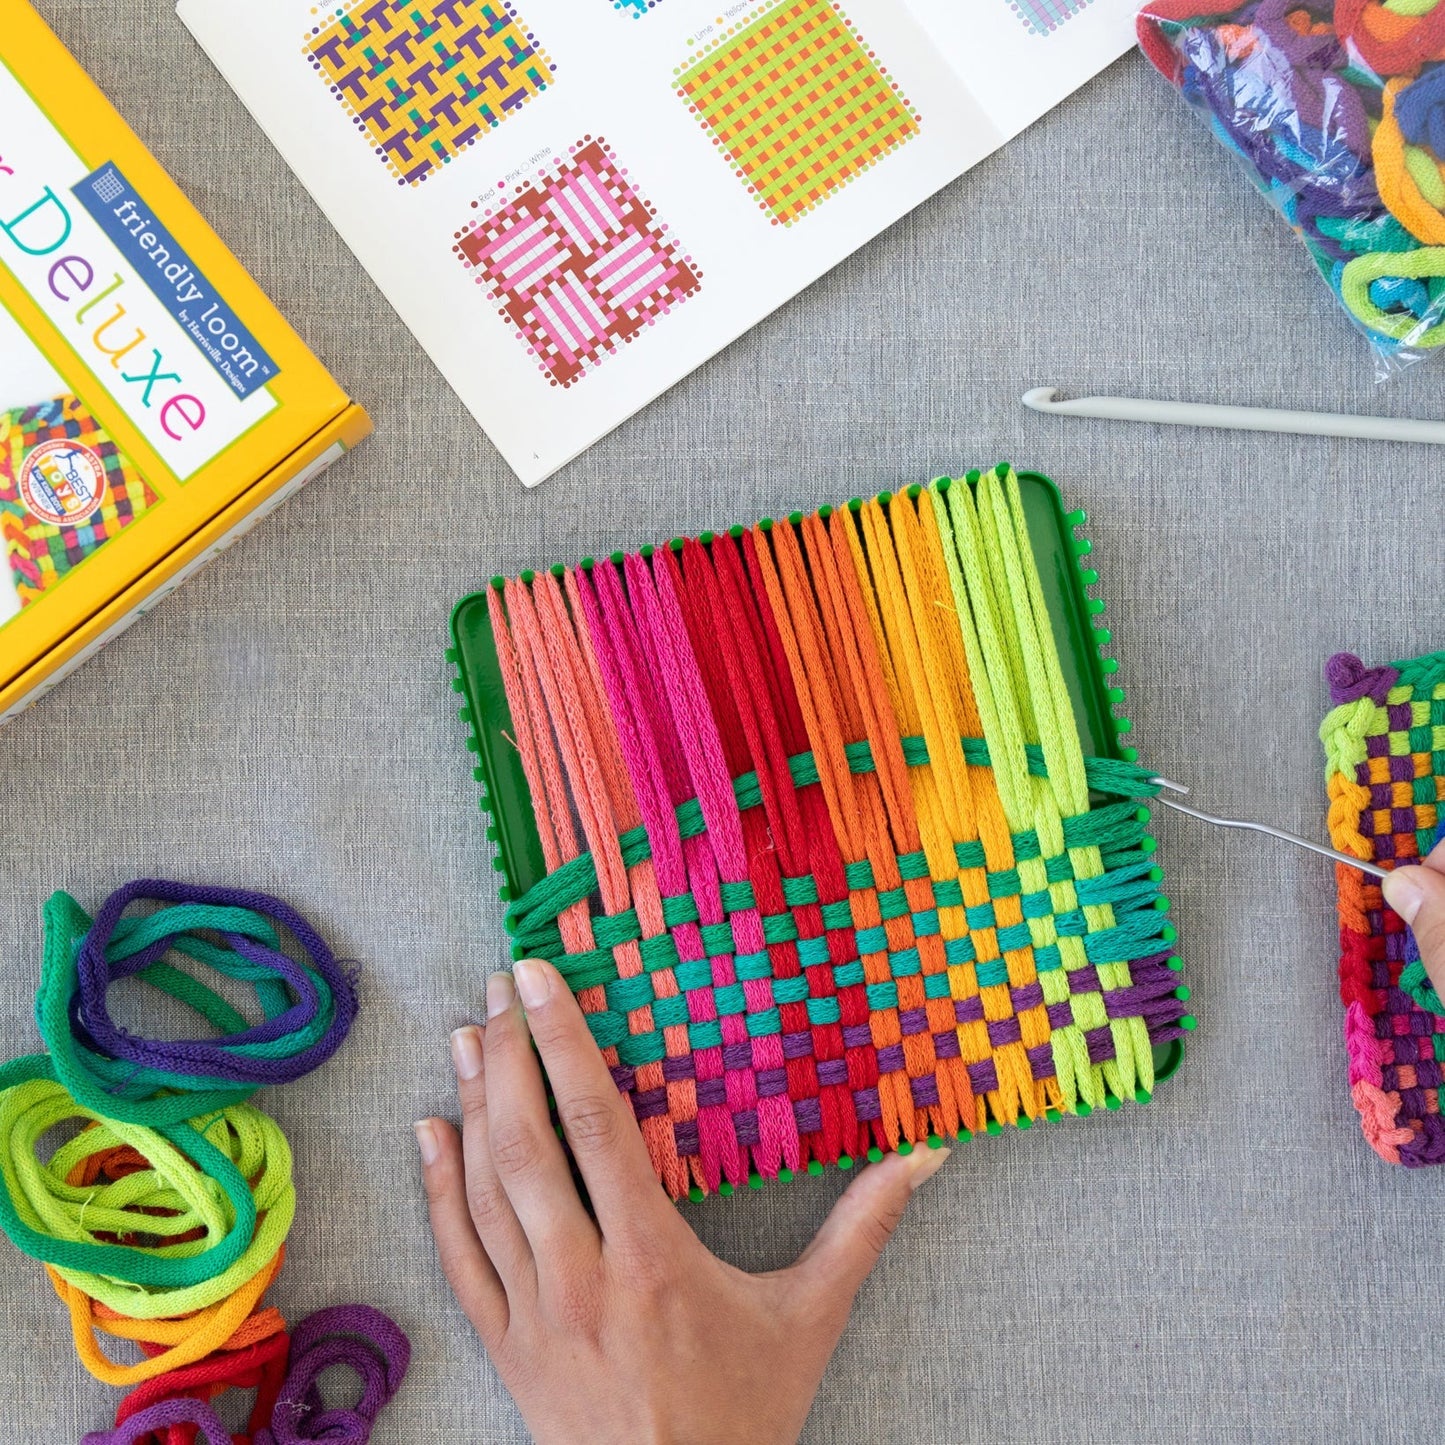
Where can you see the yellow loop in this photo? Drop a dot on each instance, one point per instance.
(1398, 188)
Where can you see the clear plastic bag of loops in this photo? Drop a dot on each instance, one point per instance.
(1337, 111)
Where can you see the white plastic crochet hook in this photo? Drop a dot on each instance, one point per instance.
(1373, 869)
(1239, 418)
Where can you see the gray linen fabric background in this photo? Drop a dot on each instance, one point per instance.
(1231, 1263)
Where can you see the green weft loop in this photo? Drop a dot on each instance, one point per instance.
(717, 939)
(626, 994)
(738, 897)
(138, 1094)
(659, 951)
(156, 1269)
(671, 1012)
(763, 1023)
(800, 891)
(576, 879)
(612, 930)
(1416, 982)
(780, 928)
(912, 866)
(591, 969)
(790, 990)
(1135, 935)
(680, 908)
(893, 903)
(638, 1049)
(608, 1029)
(696, 973)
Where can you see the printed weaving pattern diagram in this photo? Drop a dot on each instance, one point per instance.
(424, 78)
(1043, 17)
(40, 553)
(1385, 742)
(825, 867)
(799, 104)
(578, 262)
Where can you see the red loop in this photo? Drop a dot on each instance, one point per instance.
(260, 1367)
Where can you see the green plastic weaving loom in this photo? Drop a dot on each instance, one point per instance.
(832, 827)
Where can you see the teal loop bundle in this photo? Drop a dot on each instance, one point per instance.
(1337, 110)
(308, 1004)
(158, 1198)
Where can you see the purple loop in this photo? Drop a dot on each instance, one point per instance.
(215, 1059)
(1288, 108)
(1350, 679)
(364, 1340)
(183, 1410)
(1420, 109)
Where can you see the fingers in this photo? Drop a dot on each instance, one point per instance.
(522, 1147)
(491, 1212)
(600, 1127)
(861, 1224)
(464, 1262)
(1418, 896)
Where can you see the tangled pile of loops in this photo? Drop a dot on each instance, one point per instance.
(1338, 112)
(155, 1194)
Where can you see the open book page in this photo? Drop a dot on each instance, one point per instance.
(573, 203)
(1020, 58)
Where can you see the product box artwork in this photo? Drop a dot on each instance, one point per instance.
(153, 403)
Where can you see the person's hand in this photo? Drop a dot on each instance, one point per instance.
(1418, 896)
(623, 1327)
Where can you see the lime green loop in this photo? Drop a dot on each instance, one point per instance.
(198, 1175)
(1423, 264)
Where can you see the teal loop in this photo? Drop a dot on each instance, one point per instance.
(133, 1093)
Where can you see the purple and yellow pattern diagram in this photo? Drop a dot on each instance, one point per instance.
(422, 79)
(577, 262)
(40, 552)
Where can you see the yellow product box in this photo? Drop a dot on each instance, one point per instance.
(154, 405)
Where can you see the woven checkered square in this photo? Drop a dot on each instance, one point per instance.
(578, 262)
(424, 78)
(798, 102)
(40, 553)
(818, 888)
(1385, 741)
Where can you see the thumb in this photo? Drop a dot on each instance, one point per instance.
(1418, 896)
(847, 1247)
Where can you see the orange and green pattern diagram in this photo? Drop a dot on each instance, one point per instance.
(40, 553)
(422, 79)
(799, 102)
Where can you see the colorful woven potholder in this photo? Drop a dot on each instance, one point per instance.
(1385, 744)
(824, 858)
(56, 459)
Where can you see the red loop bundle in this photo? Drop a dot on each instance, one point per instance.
(260, 1367)
(1391, 44)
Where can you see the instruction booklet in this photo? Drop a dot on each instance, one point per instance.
(573, 203)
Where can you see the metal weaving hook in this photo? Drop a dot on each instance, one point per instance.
(1373, 869)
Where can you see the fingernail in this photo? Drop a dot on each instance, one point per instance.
(1403, 893)
(467, 1052)
(426, 1141)
(532, 983)
(925, 1163)
(500, 993)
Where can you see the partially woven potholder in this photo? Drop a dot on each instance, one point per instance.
(1385, 745)
(39, 552)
